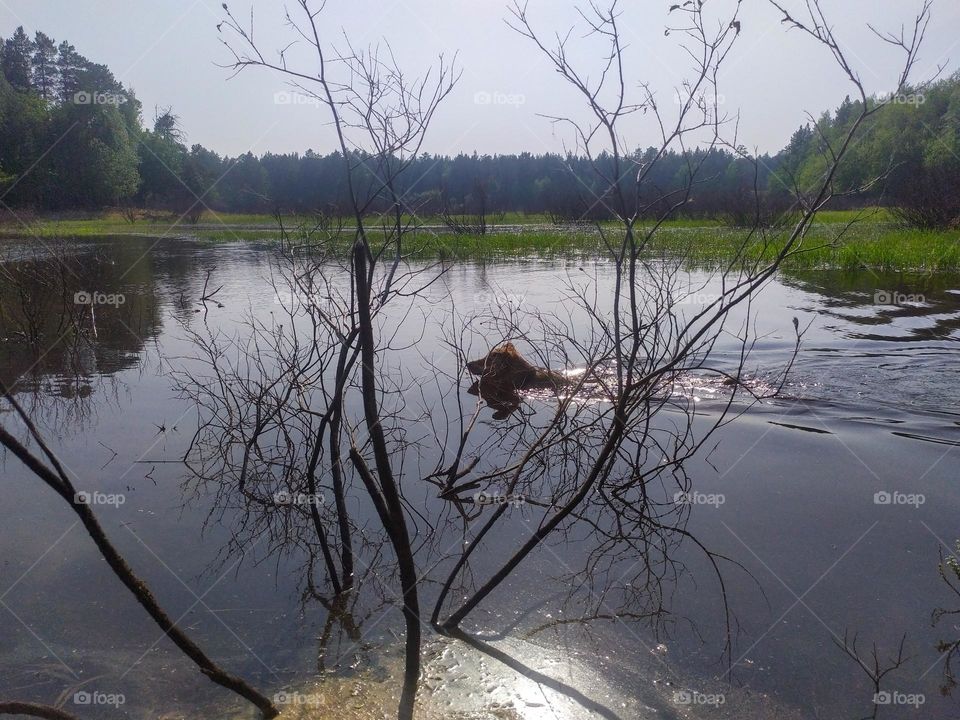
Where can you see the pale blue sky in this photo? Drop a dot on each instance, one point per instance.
(168, 52)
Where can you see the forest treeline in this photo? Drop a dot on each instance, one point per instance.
(73, 137)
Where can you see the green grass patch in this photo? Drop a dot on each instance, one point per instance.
(116, 222)
(874, 245)
(874, 241)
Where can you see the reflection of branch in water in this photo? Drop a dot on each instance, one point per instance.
(34, 710)
(534, 675)
(617, 617)
(113, 454)
(949, 570)
(50, 470)
(208, 296)
(504, 632)
(872, 666)
(52, 354)
(341, 613)
(342, 610)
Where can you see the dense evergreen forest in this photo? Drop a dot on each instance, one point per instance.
(72, 137)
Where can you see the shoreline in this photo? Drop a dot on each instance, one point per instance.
(840, 240)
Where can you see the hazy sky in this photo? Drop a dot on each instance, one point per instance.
(168, 51)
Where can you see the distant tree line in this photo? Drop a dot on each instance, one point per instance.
(72, 137)
(914, 146)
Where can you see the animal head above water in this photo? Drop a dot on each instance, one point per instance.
(504, 357)
(502, 373)
(505, 366)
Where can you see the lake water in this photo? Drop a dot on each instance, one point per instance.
(833, 503)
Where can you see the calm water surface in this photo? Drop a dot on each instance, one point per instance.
(870, 412)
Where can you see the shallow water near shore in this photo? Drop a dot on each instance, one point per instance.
(821, 518)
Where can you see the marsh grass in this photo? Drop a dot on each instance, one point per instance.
(874, 241)
(873, 245)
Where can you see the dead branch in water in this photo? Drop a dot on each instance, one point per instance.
(34, 710)
(381, 118)
(53, 474)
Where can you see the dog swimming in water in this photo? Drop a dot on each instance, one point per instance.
(503, 373)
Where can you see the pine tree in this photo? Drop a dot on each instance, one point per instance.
(17, 60)
(70, 64)
(45, 66)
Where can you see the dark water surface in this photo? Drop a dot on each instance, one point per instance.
(800, 485)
